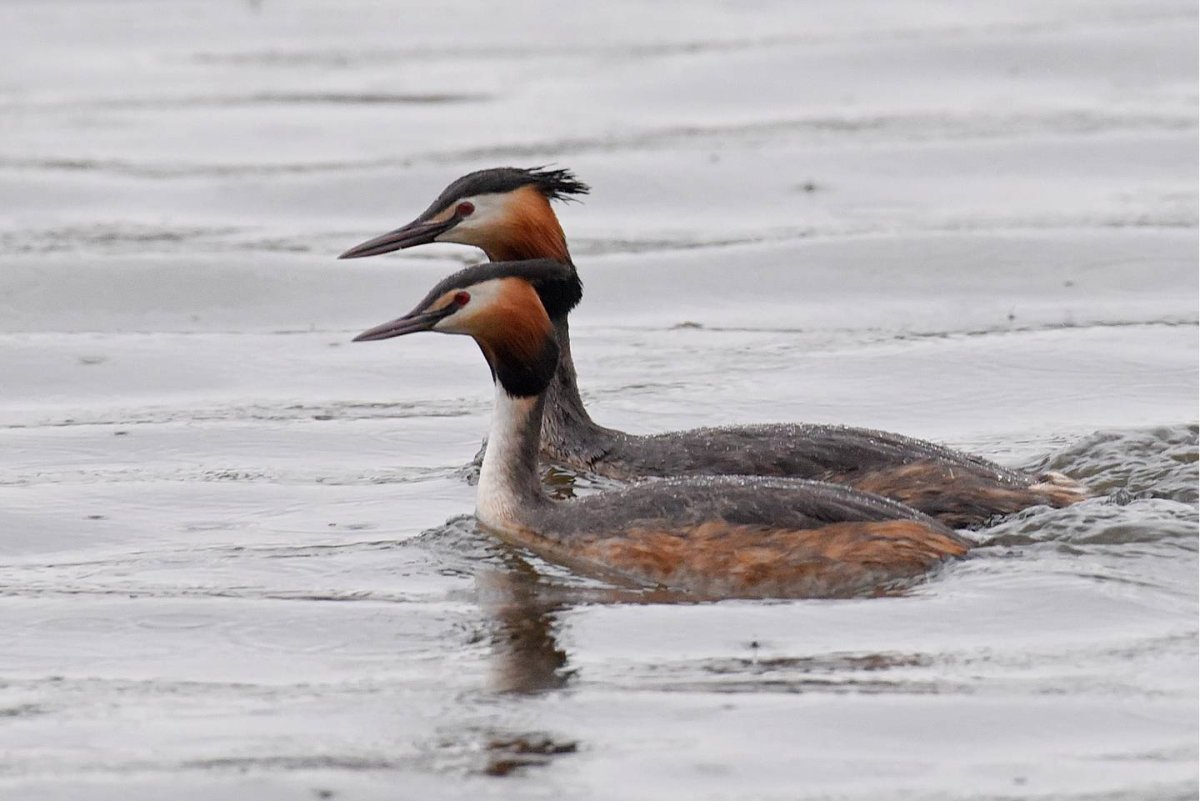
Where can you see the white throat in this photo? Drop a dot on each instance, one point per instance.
(499, 500)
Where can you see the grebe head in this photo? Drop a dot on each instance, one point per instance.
(505, 211)
(500, 306)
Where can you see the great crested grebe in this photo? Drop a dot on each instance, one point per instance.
(714, 537)
(506, 212)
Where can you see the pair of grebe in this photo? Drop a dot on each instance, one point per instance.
(771, 510)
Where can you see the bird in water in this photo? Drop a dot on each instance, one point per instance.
(706, 537)
(506, 212)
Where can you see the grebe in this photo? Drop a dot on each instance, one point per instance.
(506, 212)
(717, 537)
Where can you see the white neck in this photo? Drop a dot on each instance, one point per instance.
(508, 480)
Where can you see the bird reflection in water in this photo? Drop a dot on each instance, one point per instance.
(523, 612)
(526, 657)
(526, 660)
(523, 608)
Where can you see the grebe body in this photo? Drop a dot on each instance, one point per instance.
(709, 537)
(506, 212)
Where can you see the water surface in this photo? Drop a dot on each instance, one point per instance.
(235, 560)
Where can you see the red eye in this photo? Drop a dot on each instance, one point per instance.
(465, 209)
(462, 298)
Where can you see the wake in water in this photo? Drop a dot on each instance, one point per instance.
(1135, 463)
(1145, 481)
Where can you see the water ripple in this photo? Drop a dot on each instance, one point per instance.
(1102, 522)
(912, 128)
(1140, 463)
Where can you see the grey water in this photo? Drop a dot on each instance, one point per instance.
(236, 557)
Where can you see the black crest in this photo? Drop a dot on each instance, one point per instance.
(554, 184)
